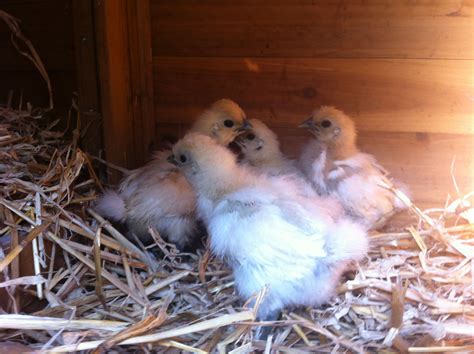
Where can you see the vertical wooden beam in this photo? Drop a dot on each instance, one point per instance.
(125, 71)
(141, 70)
(87, 75)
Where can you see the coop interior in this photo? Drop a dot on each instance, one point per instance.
(89, 89)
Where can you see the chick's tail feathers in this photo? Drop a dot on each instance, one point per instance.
(112, 206)
(347, 241)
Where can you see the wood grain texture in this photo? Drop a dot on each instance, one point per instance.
(305, 28)
(112, 57)
(141, 68)
(396, 95)
(124, 58)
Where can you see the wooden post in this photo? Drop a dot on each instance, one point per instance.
(124, 59)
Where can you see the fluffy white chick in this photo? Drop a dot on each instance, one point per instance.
(158, 195)
(336, 167)
(268, 236)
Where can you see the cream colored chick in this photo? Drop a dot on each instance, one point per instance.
(269, 237)
(336, 167)
(261, 151)
(157, 195)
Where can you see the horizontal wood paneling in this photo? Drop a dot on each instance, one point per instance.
(355, 28)
(404, 70)
(421, 161)
(398, 95)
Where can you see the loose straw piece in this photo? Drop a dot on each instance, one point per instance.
(16, 251)
(444, 349)
(38, 247)
(25, 322)
(28, 280)
(224, 320)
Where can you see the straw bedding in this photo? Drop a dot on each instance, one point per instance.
(414, 293)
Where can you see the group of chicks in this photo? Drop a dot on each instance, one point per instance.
(290, 226)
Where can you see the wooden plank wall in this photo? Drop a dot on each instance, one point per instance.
(403, 69)
(49, 25)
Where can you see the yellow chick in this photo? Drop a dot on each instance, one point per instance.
(336, 167)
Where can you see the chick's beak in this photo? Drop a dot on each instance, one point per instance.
(308, 124)
(245, 126)
(172, 160)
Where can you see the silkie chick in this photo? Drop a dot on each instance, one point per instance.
(261, 151)
(336, 167)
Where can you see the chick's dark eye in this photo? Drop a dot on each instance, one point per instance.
(182, 158)
(325, 124)
(250, 137)
(228, 123)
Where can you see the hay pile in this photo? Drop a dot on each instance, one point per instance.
(99, 291)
